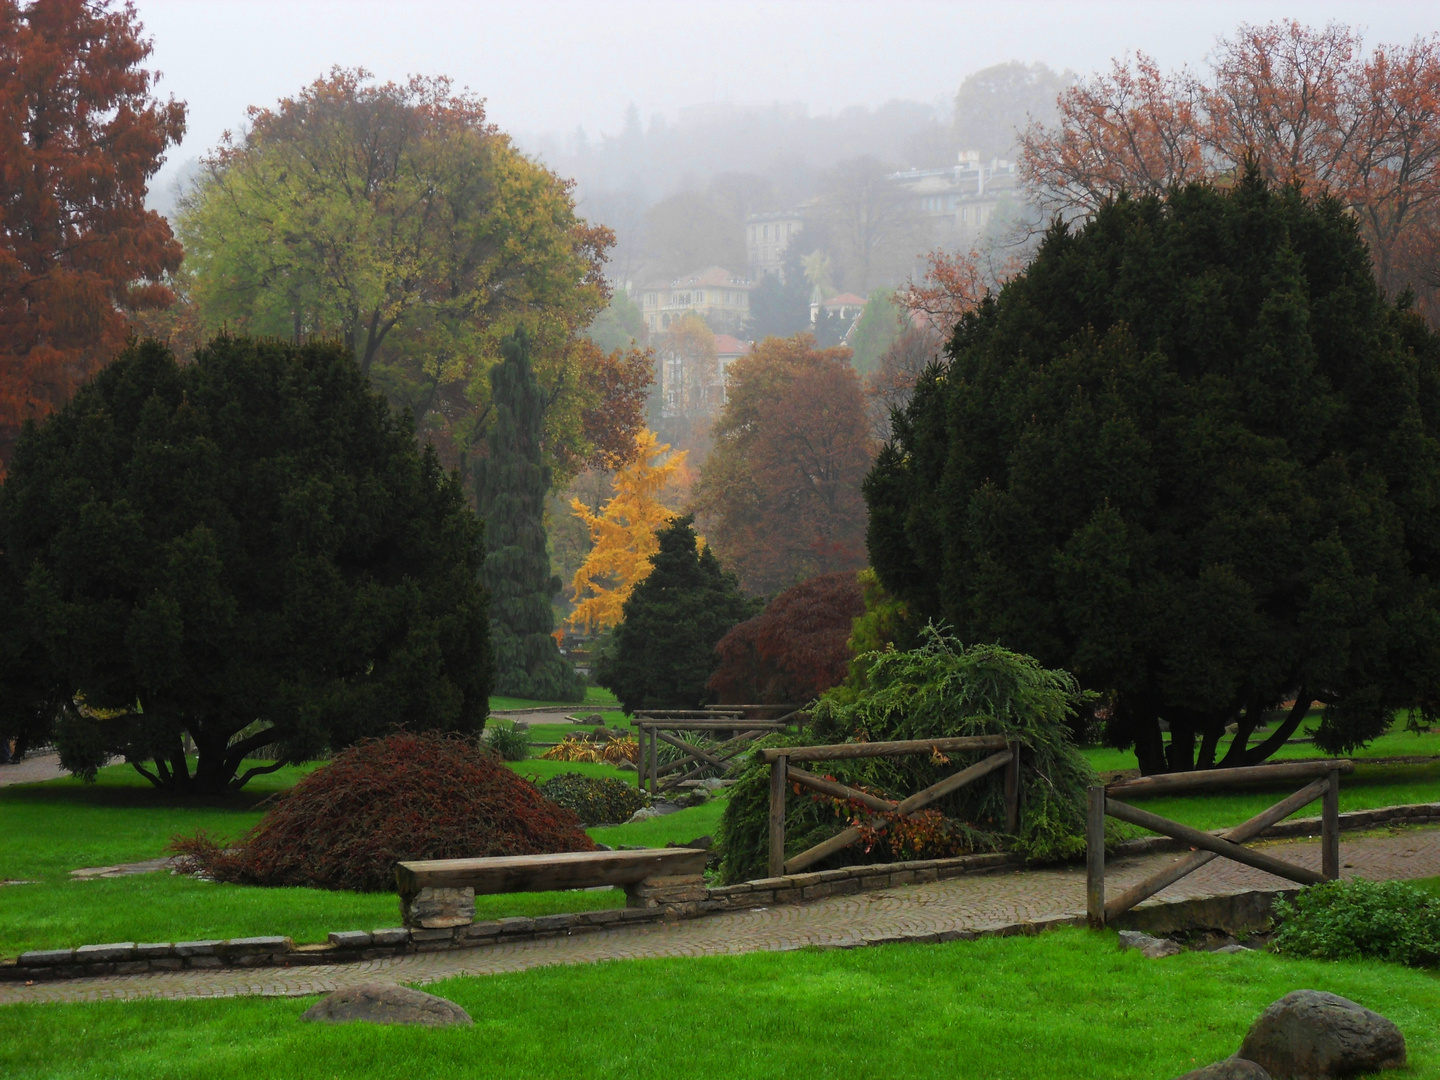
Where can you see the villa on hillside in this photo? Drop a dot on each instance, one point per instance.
(718, 296)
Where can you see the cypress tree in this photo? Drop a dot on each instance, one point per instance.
(664, 649)
(511, 483)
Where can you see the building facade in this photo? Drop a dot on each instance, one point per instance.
(766, 238)
(959, 202)
(718, 296)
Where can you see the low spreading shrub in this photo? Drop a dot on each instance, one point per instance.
(938, 690)
(1361, 920)
(594, 751)
(508, 738)
(407, 796)
(595, 800)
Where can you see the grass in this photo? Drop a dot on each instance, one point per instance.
(596, 697)
(49, 829)
(1067, 1004)
(1397, 743)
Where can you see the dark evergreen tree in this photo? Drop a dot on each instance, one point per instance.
(511, 483)
(663, 651)
(1193, 456)
(249, 550)
(780, 304)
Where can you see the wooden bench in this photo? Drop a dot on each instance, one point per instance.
(441, 892)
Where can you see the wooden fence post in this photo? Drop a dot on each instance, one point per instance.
(1012, 790)
(1330, 828)
(778, 781)
(640, 756)
(654, 763)
(1095, 859)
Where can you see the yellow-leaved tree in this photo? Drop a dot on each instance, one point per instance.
(623, 533)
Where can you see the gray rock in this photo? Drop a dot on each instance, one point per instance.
(434, 909)
(1227, 949)
(1151, 947)
(1233, 1068)
(386, 1003)
(1310, 1035)
(645, 813)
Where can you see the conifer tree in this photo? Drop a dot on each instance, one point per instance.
(511, 482)
(664, 649)
(623, 534)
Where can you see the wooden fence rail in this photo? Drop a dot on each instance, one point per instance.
(651, 730)
(1103, 804)
(782, 774)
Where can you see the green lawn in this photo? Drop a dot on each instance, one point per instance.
(1398, 743)
(1067, 1005)
(49, 829)
(596, 697)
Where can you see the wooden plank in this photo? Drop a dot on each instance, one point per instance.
(681, 714)
(918, 801)
(848, 751)
(1207, 842)
(777, 816)
(694, 751)
(1192, 862)
(1210, 779)
(1095, 859)
(709, 725)
(1330, 829)
(839, 791)
(725, 758)
(543, 873)
(1012, 789)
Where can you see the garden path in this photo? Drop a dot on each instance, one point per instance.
(944, 910)
(32, 770)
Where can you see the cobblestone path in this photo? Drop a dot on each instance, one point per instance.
(32, 770)
(936, 911)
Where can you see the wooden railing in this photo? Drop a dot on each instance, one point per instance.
(1104, 803)
(655, 727)
(783, 773)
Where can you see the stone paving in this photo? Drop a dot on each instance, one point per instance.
(964, 905)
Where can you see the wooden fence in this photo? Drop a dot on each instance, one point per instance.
(1103, 803)
(655, 727)
(783, 773)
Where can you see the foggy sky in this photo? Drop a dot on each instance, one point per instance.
(550, 67)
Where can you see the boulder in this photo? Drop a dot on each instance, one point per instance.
(1309, 1035)
(386, 1003)
(1232, 1068)
(1151, 947)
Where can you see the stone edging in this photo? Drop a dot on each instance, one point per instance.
(129, 958)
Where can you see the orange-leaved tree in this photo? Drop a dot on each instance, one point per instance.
(80, 135)
(623, 533)
(1305, 105)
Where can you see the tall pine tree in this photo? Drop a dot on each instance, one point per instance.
(664, 649)
(512, 483)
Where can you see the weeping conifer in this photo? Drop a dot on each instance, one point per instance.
(511, 483)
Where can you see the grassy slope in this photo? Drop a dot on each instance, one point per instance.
(1066, 1005)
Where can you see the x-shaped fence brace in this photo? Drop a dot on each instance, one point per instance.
(653, 728)
(782, 774)
(1210, 845)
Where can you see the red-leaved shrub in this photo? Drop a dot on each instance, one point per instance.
(793, 650)
(407, 796)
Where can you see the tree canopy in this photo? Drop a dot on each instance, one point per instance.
(780, 493)
(1191, 456)
(664, 648)
(396, 218)
(80, 135)
(248, 549)
(796, 648)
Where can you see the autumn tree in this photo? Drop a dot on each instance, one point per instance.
(512, 480)
(780, 493)
(249, 550)
(872, 230)
(81, 133)
(623, 534)
(1303, 104)
(1189, 455)
(397, 218)
(795, 649)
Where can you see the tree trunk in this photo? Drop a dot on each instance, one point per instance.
(1149, 746)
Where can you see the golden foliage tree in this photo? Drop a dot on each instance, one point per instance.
(624, 533)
